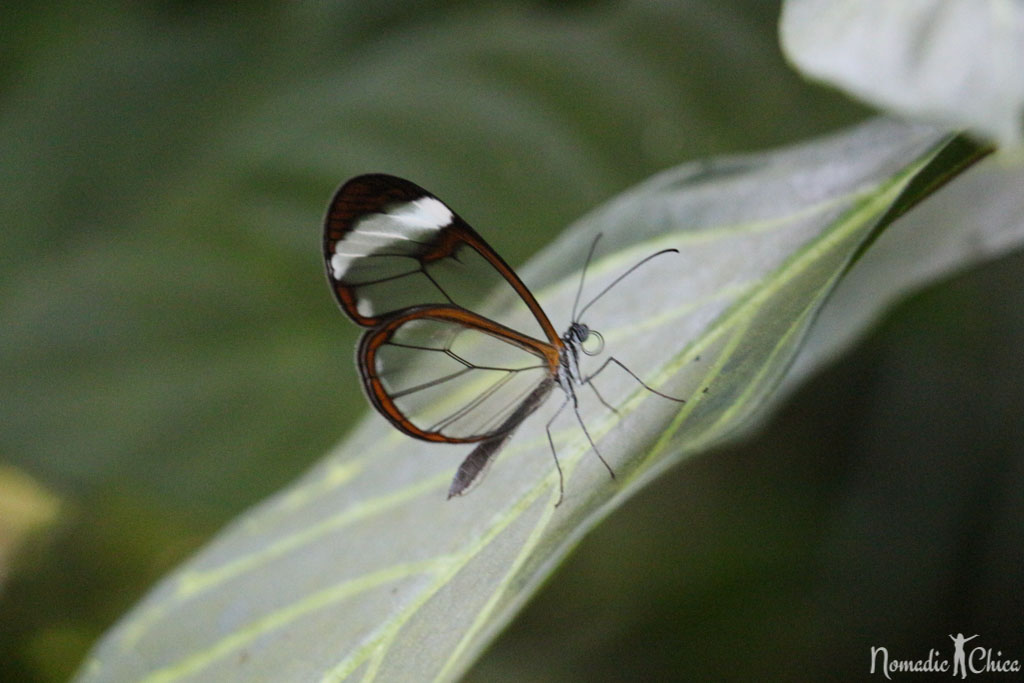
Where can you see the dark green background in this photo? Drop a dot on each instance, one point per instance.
(170, 353)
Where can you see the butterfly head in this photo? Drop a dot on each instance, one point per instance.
(587, 340)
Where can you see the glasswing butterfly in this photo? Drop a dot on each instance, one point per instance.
(410, 270)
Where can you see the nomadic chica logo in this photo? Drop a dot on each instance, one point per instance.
(976, 660)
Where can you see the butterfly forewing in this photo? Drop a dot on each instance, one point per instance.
(390, 245)
(456, 341)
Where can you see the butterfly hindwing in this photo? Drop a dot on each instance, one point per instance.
(442, 373)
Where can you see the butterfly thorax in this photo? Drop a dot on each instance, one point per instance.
(574, 340)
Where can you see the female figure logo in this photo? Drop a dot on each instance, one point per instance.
(959, 661)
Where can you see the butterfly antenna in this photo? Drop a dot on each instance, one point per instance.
(579, 290)
(620, 278)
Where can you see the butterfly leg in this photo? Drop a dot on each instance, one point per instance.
(579, 418)
(583, 425)
(554, 453)
(600, 398)
(612, 359)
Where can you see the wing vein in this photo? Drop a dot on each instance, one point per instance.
(432, 383)
(472, 405)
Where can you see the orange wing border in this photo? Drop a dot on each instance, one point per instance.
(373, 339)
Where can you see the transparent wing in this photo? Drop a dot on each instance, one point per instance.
(390, 245)
(444, 374)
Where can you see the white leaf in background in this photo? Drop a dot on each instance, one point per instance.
(958, 63)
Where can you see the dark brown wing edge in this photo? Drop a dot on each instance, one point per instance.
(357, 197)
(470, 236)
(476, 462)
(371, 193)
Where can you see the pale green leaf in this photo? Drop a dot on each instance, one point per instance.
(957, 62)
(977, 218)
(363, 571)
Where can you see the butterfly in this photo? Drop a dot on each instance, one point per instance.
(433, 361)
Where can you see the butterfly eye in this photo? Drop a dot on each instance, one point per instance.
(593, 344)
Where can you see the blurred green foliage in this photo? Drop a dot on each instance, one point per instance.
(170, 354)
